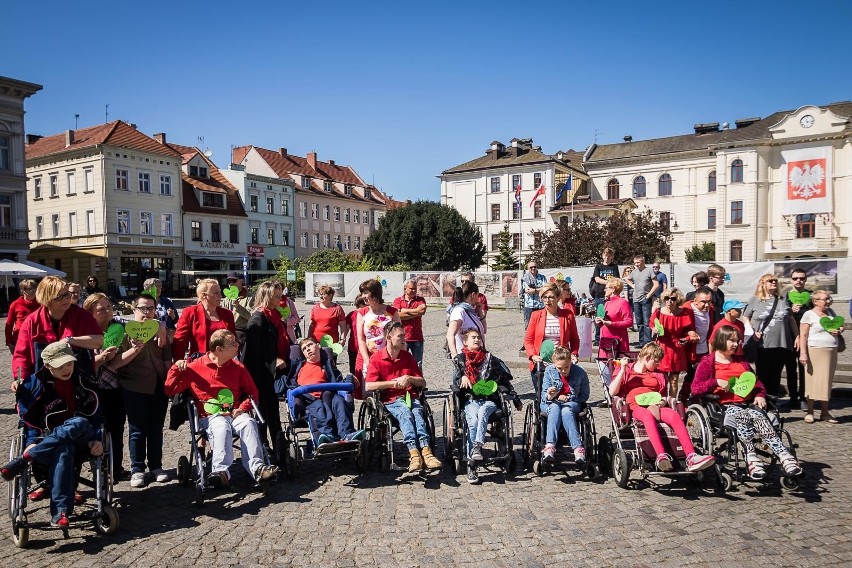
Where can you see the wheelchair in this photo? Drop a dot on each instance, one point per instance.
(628, 447)
(457, 435)
(535, 435)
(714, 432)
(381, 426)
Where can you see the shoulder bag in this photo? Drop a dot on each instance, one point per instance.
(751, 348)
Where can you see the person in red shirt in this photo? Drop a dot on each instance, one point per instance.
(197, 323)
(411, 309)
(352, 343)
(732, 312)
(394, 373)
(19, 309)
(208, 378)
(327, 317)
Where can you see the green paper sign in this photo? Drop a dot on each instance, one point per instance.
(142, 330)
(658, 327)
(408, 399)
(223, 403)
(601, 311)
(742, 385)
(801, 298)
(152, 291)
(326, 340)
(546, 350)
(336, 348)
(484, 388)
(231, 292)
(114, 335)
(830, 324)
(648, 398)
(285, 312)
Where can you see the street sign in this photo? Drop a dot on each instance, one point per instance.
(291, 275)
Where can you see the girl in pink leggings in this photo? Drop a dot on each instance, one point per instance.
(642, 377)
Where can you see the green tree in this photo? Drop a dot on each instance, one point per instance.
(705, 252)
(505, 259)
(326, 260)
(426, 236)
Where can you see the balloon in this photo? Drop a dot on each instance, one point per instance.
(546, 350)
(336, 348)
(326, 341)
(142, 330)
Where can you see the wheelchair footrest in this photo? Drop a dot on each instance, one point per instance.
(334, 448)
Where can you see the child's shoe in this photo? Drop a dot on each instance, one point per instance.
(137, 479)
(60, 520)
(476, 452)
(324, 439)
(790, 464)
(39, 494)
(756, 470)
(415, 462)
(664, 462)
(472, 476)
(548, 453)
(11, 470)
(580, 456)
(697, 462)
(430, 460)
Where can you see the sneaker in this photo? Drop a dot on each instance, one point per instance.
(476, 453)
(265, 473)
(12, 469)
(472, 476)
(580, 456)
(357, 436)
(61, 521)
(39, 494)
(160, 475)
(122, 475)
(78, 498)
(664, 462)
(218, 480)
(324, 439)
(756, 470)
(548, 453)
(790, 465)
(697, 462)
(137, 479)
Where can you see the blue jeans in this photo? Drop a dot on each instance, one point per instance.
(477, 412)
(411, 423)
(641, 319)
(567, 412)
(57, 452)
(416, 350)
(146, 417)
(331, 414)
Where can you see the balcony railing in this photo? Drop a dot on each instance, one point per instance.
(7, 234)
(815, 245)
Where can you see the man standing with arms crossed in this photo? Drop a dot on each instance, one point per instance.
(644, 284)
(411, 308)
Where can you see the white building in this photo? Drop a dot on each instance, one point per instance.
(483, 190)
(14, 241)
(770, 188)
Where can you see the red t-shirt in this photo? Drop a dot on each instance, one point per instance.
(351, 320)
(414, 326)
(311, 374)
(327, 321)
(383, 367)
(737, 324)
(640, 383)
(566, 387)
(725, 371)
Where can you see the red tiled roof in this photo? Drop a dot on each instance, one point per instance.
(216, 183)
(186, 152)
(115, 133)
(238, 154)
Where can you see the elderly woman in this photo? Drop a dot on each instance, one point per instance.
(327, 317)
(75, 290)
(369, 327)
(818, 354)
(775, 328)
(19, 309)
(552, 323)
(265, 353)
(197, 323)
(57, 318)
(166, 310)
(617, 318)
(678, 332)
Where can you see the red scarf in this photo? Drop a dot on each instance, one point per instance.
(472, 361)
(283, 346)
(566, 388)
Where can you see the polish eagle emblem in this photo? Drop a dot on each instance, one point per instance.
(807, 180)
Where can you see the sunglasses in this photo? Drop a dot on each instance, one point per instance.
(772, 281)
(670, 299)
(799, 278)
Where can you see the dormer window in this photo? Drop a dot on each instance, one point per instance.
(348, 189)
(209, 199)
(306, 182)
(327, 186)
(368, 193)
(198, 171)
(193, 171)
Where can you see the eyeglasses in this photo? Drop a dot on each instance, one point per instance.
(63, 296)
(231, 344)
(823, 299)
(146, 309)
(799, 278)
(533, 267)
(655, 267)
(670, 299)
(548, 297)
(771, 281)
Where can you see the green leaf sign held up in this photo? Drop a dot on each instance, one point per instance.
(484, 388)
(114, 335)
(831, 323)
(658, 327)
(742, 385)
(546, 350)
(648, 398)
(231, 292)
(800, 298)
(222, 404)
(142, 330)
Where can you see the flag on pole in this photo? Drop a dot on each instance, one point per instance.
(538, 193)
(568, 184)
(518, 194)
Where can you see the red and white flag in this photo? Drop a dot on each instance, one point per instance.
(807, 180)
(538, 193)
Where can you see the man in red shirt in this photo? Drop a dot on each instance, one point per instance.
(411, 309)
(394, 373)
(222, 385)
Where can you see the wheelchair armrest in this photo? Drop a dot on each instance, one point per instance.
(455, 389)
(711, 398)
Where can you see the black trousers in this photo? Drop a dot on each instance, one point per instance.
(114, 415)
(770, 363)
(795, 377)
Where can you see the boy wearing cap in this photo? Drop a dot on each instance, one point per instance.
(732, 311)
(59, 402)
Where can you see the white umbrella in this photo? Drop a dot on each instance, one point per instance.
(50, 271)
(15, 269)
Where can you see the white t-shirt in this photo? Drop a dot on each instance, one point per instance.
(817, 335)
(702, 328)
(468, 319)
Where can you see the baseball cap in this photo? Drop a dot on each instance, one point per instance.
(57, 354)
(733, 305)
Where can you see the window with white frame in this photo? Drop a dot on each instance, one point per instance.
(356, 215)
(216, 232)
(144, 182)
(347, 189)
(314, 211)
(195, 231)
(346, 215)
(255, 234)
(54, 222)
(357, 244)
(325, 210)
(270, 205)
(209, 199)
(253, 203)
(337, 213)
(316, 240)
(304, 240)
(54, 185)
(39, 227)
(516, 182)
(366, 217)
(303, 209)
(37, 188)
(495, 185)
(89, 180)
(270, 236)
(285, 237)
(326, 240)
(306, 182)
(165, 185)
(368, 193)
(285, 207)
(326, 185)
(166, 224)
(90, 221)
(121, 179)
(536, 181)
(72, 224)
(347, 243)
(146, 223)
(122, 217)
(70, 185)
(5, 211)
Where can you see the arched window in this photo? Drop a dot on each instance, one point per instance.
(737, 171)
(711, 182)
(665, 185)
(736, 251)
(612, 189)
(639, 187)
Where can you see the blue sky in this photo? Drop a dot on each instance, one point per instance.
(403, 91)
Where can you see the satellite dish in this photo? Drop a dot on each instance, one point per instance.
(208, 152)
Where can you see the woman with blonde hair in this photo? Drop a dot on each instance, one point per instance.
(197, 323)
(678, 331)
(818, 354)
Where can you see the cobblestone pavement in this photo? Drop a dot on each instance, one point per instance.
(332, 516)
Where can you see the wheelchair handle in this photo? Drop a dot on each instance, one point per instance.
(321, 387)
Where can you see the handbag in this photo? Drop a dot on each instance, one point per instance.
(841, 342)
(107, 379)
(752, 346)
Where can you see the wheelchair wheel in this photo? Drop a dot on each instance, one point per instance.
(604, 454)
(621, 466)
(184, 473)
(21, 534)
(511, 463)
(14, 485)
(362, 458)
(789, 483)
(430, 423)
(726, 481)
(107, 521)
(698, 426)
(291, 459)
(528, 441)
(449, 434)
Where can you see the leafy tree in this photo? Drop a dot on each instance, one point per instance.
(705, 252)
(505, 259)
(426, 236)
(326, 260)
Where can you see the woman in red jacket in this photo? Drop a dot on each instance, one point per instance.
(19, 309)
(552, 323)
(197, 323)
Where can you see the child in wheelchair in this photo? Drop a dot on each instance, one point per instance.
(564, 391)
(480, 379)
(634, 382)
(59, 406)
(223, 391)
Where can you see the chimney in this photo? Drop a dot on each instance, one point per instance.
(33, 138)
(160, 137)
(331, 162)
(312, 159)
(706, 127)
(133, 125)
(628, 138)
(283, 152)
(69, 138)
